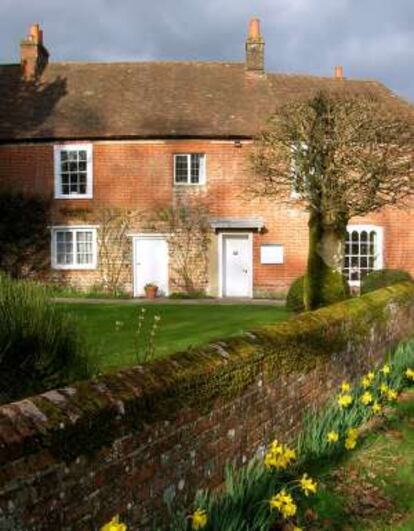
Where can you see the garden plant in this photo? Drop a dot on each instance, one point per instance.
(279, 491)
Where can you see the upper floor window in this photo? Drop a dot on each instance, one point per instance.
(73, 171)
(190, 168)
(363, 252)
(74, 248)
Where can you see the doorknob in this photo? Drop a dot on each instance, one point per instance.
(245, 271)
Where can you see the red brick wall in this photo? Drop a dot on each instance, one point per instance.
(140, 175)
(72, 458)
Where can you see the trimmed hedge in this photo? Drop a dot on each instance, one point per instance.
(383, 278)
(336, 289)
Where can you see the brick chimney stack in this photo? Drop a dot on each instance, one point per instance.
(255, 48)
(33, 55)
(339, 72)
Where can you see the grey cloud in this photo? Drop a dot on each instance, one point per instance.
(371, 38)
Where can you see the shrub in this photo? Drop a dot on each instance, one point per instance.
(40, 346)
(335, 290)
(383, 278)
(294, 299)
(24, 239)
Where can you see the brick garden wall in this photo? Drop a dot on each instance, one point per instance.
(125, 443)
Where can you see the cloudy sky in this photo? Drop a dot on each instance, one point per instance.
(373, 39)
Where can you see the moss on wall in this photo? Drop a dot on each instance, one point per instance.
(83, 418)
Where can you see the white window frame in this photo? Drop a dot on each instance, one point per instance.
(74, 229)
(89, 170)
(379, 258)
(202, 176)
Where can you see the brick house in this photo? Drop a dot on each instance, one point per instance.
(116, 144)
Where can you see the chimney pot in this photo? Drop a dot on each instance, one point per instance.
(254, 48)
(254, 28)
(339, 72)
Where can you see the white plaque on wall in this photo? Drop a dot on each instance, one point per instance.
(271, 253)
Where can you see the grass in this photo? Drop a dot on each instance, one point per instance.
(181, 326)
(374, 488)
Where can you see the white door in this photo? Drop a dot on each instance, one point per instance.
(237, 265)
(150, 264)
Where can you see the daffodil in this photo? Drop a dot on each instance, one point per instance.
(284, 503)
(367, 398)
(351, 440)
(345, 400)
(350, 443)
(376, 407)
(279, 456)
(345, 387)
(114, 525)
(386, 369)
(392, 394)
(384, 389)
(332, 437)
(366, 382)
(410, 374)
(199, 519)
(308, 485)
(371, 375)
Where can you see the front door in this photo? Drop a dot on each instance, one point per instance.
(237, 265)
(150, 264)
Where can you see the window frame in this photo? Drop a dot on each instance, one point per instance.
(202, 176)
(57, 150)
(379, 258)
(74, 229)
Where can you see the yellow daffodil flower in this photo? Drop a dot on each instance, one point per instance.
(345, 400)
(410, 374)
(384, 389)
(371, 375)
(308, 485)
(392, 394)
(367, 398)
(386, 369)
(351, 440)
(350, 443)
(279, 456)
(332, 437)
(199, 519)
(284, 503)
(114, 525)
(376, 408)
(345, 387)
(366, 382)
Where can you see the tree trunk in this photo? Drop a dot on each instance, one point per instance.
(324, 282)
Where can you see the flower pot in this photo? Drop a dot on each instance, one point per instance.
(151, 292)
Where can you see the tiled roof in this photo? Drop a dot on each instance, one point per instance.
(153, 100)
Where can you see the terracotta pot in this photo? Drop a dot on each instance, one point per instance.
(151, 292)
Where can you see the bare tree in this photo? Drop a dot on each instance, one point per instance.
(342, 155)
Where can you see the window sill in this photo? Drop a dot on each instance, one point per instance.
(74, 196)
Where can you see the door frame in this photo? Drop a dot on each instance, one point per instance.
(135, 240)
(221, 272)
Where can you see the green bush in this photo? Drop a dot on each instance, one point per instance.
(335, 290)
(294, 299)
(383, 278)
(40, 346)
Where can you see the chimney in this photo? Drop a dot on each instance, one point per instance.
(254, 48)
(339, 72)
(33, 55)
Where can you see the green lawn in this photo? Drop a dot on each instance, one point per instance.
(113, 346)
(374, 488)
